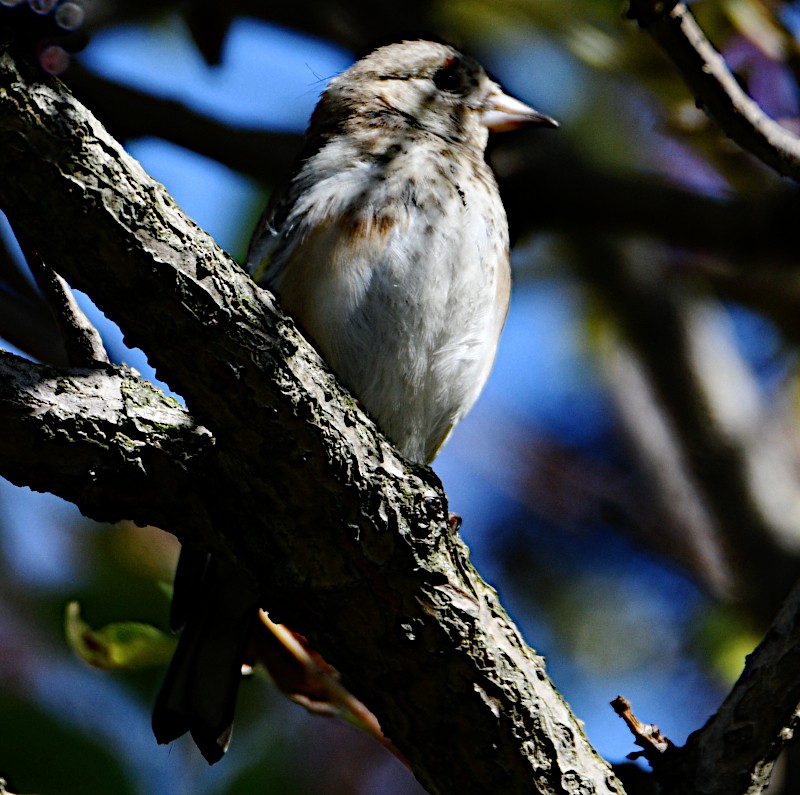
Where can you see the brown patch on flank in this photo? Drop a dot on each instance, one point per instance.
(362, 225)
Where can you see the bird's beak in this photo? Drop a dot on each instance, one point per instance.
(500, 113)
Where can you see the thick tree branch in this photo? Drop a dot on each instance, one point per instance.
(144, 450)
(736, 749)
(104, 439)
(348, 543)
(715, 88)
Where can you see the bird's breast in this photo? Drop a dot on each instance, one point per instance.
(399, 274)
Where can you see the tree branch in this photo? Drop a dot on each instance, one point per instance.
(708, 77)
(82, 341)
(736, 749)
(348, 543)
(704, 455)
(129, 113)
(353, 23)
(104, 439)
(25, 319)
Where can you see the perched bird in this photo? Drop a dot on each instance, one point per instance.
(390, 247)
(390, 250)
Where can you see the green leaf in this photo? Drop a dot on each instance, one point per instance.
(122, 645)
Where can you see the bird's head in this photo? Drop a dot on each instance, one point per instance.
(423, 86)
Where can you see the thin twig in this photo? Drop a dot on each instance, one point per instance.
(648, 736)
(715, 88)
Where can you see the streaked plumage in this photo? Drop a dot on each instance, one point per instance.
(390, 250)
(390, 247)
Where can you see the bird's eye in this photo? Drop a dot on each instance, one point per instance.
(450, 77)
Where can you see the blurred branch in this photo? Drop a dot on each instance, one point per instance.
(351, 23)
(28, 326)
(355, 550)
(129, 113)
(746, 246)
(24, 318)
(11, 275)
(772, 290)
(707, 457)
(575, 196)
(715, 88)
(687, 529)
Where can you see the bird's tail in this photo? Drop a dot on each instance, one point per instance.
(217, 608)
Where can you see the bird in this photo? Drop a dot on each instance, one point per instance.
(389, 248)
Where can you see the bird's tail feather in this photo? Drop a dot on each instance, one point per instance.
(199, 691)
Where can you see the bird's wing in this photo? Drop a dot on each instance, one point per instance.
(270, 227)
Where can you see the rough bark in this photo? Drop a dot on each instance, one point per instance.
(735, 751)
(348, 543)
(104, 439)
